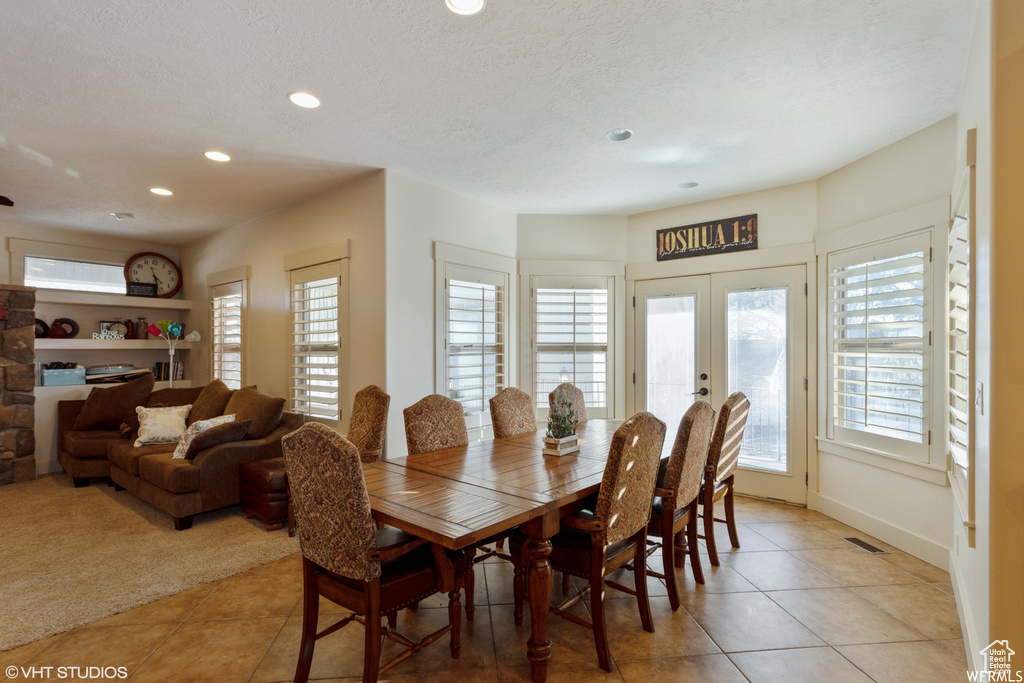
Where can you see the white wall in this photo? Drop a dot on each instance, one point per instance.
(575, 238)
(419, 214)
(354, 212)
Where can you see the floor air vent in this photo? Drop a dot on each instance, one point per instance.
(864, 545)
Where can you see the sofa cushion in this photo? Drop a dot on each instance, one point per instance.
(90, 444)
(161, 398)
(107, 408)
(264, 410)
(215, 436)
(125, 455)
(162, 470)
(195, 429)
(210, 402)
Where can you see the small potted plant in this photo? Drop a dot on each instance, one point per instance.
(561, 438)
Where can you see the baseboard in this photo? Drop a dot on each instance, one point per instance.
(971, 641)
(907, 541)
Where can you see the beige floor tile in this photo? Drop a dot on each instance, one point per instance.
(339, 654)
(921, 607)
(855, 567)
(805, 514)
(498, 578)
(752, 509)
(655, 586)
(779, 571)
(919, 568)
(477, 647)
(253, 594)
(721, 579)
(841, 617)
(716, 668)
(946, 587)
(174, 609)
(910, 662)
(805, 664)
(676, 634)
(797, 536)
(570, 642)
(558, 672)
(222, 651)
(840, 530)
(750, 540)
(956, 646)
(103, 646)
(748, 621)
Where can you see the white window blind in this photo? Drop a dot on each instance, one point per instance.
(315, 341)
(226, 303)
(475, 339)
(572, 343)
(959, 400)
(879, 332)
(82, 276)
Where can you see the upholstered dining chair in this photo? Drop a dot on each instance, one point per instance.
(368, 424)
(512, 413)
(374, 573)
(434, 423)
(573, 392)
(677, 494)
(591, 544)
(720, 471)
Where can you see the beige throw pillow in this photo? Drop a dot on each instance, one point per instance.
(194, 430)
(161, 425)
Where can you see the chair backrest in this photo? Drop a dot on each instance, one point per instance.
(627, 489)
(369, 422)
(685, 467)
(724, 452)
(512, 413)
(434, 423)
(574, 393)
(331, 504)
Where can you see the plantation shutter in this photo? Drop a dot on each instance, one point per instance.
(959, 405)
(879, 338)
(572, 342)
(475, 336)
(315, 341)
(226, 330)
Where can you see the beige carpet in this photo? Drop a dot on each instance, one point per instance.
(71, 556)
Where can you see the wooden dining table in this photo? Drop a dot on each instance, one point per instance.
(457, 497)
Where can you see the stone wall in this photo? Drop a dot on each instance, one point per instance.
(17, 384)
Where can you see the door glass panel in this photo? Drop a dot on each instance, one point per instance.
(671, 356)
(759, 368)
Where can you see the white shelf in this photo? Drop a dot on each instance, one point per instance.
(64, 297)
(69, 392)
(86, 344)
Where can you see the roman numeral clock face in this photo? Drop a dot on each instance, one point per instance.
(155, 268)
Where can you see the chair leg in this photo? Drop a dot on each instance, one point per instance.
(518, 588)
(371, 643)
(455, 619)
(691, 545)
(709, 520)
(597, 613)
(730, 515)
(470, 584)
(565, 583)
(500, 545)
(668, 560)
(310, 613)
(640, 577)
(393, 621)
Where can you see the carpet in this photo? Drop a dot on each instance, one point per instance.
(71, 556)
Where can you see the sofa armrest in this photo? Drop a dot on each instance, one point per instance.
(218, 466)
(67, 413)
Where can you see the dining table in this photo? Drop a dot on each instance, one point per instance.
(460, 496)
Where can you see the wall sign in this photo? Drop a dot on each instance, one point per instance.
(140, 289)
(713, 237)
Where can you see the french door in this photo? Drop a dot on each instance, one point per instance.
(704, 337)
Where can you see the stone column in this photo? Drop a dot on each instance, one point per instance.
(17, 384)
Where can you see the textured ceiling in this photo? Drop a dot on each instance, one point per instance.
(101, 100)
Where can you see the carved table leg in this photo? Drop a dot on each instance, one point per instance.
(538, 573)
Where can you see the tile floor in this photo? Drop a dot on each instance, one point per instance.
(795, 603)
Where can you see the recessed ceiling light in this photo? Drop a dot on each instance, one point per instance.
(161, 191)
(123, 216)
(619, 134)
(304, 99)
(688, 186)
(217, 156)
(465, 7)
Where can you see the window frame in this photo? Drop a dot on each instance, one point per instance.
(226, 290)
(20, 248)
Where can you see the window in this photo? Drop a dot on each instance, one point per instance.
(571, 340)
(82, 276)
(475, 336)
(226, 303)
(879, 334)
(315, 341)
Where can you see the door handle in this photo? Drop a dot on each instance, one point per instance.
(702, 392)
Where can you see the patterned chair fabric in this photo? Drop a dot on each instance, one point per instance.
(336, 529)
(512, 413)
(624, 499)
(369, 422)
(576, 394)
(685, 467)
(724, 453)
(434, 423)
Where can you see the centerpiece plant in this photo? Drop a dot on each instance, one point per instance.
(563, 419)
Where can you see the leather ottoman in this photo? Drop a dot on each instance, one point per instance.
(263, 492)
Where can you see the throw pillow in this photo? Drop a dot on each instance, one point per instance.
(108, 408)
(161, 425)
(210, 402)
(264, 410)
(194, 430)
(174, 397)
(130, 428)
(215, 436)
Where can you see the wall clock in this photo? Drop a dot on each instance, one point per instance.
(148, 266)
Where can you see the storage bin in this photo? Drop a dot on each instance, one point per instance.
(59, 378)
